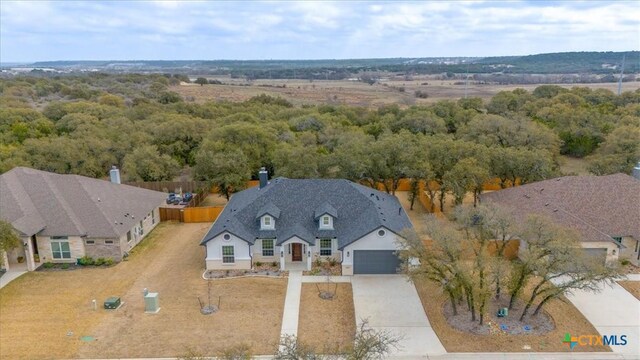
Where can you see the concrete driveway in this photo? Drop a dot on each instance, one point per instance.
(391, 303)
(612, 311)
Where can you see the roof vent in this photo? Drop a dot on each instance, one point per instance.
(546, 204)
(555, 210)
(400, 210)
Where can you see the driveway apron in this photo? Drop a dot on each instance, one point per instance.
(391, 303)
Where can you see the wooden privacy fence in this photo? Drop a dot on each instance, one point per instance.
(191, 214)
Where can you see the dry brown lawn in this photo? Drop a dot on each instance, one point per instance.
(214, 200)
(573, 166)
(566, 317)
(327, 325)
(357, 93)
(44, 314)
(633, 287)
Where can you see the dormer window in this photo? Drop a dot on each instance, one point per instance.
(326, 222)
(267, 223)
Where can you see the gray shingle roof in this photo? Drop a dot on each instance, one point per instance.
(48, 204)
(326, 208)
(361, 209)
(598, 207)
(270, 209)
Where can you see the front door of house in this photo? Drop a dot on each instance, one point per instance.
(296, 252)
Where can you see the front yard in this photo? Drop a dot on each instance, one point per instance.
(566, 317)
(327, 325)
(45, 314)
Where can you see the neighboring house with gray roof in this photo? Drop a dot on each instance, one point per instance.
(61, 218)
(296, 221)
(604, 210)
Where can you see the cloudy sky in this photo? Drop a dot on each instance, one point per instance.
(109, 30)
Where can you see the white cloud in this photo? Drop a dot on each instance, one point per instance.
(311, 29)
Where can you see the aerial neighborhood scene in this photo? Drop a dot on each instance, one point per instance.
(303, 180)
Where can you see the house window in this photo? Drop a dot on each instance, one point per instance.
(129, 237)
(267, 247)
(326, 222)
(267, 222)
(227, 255)
(141, 228)
(382, 233)
(226, 237)
(108, 242)
(60, 248)
(89, 242)
(617, 239)
(153, 217)
(325, 247)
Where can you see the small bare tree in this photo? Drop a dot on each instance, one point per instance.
(292, 349)
(238, 352)
(371, 344)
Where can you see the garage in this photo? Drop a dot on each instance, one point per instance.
(599, 254)
(375, 262)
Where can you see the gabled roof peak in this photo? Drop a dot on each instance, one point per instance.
(268, 209)
(325, 208)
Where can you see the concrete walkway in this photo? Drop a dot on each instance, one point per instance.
(533, 356)
(321, 279)
(633, 277)
(9, 276)
(612, 311)
(391, 303)
(292, 304)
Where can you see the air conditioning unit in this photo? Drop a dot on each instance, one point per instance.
(112, 303)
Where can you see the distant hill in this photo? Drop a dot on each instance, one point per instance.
(552, 63)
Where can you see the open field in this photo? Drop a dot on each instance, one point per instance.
(44, 314)
(566, 317)
(358, 93)
(633, 287)
(327, 325)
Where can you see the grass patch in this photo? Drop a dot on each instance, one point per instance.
(327, 325)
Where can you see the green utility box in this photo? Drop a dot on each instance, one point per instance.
(151, 303)
(112, 303)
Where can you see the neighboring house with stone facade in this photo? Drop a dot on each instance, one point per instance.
(61, 218)
(604, 210)
(295, 221)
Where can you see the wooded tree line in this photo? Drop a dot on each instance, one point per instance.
(85, 124)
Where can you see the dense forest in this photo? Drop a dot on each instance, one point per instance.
(86, 124)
